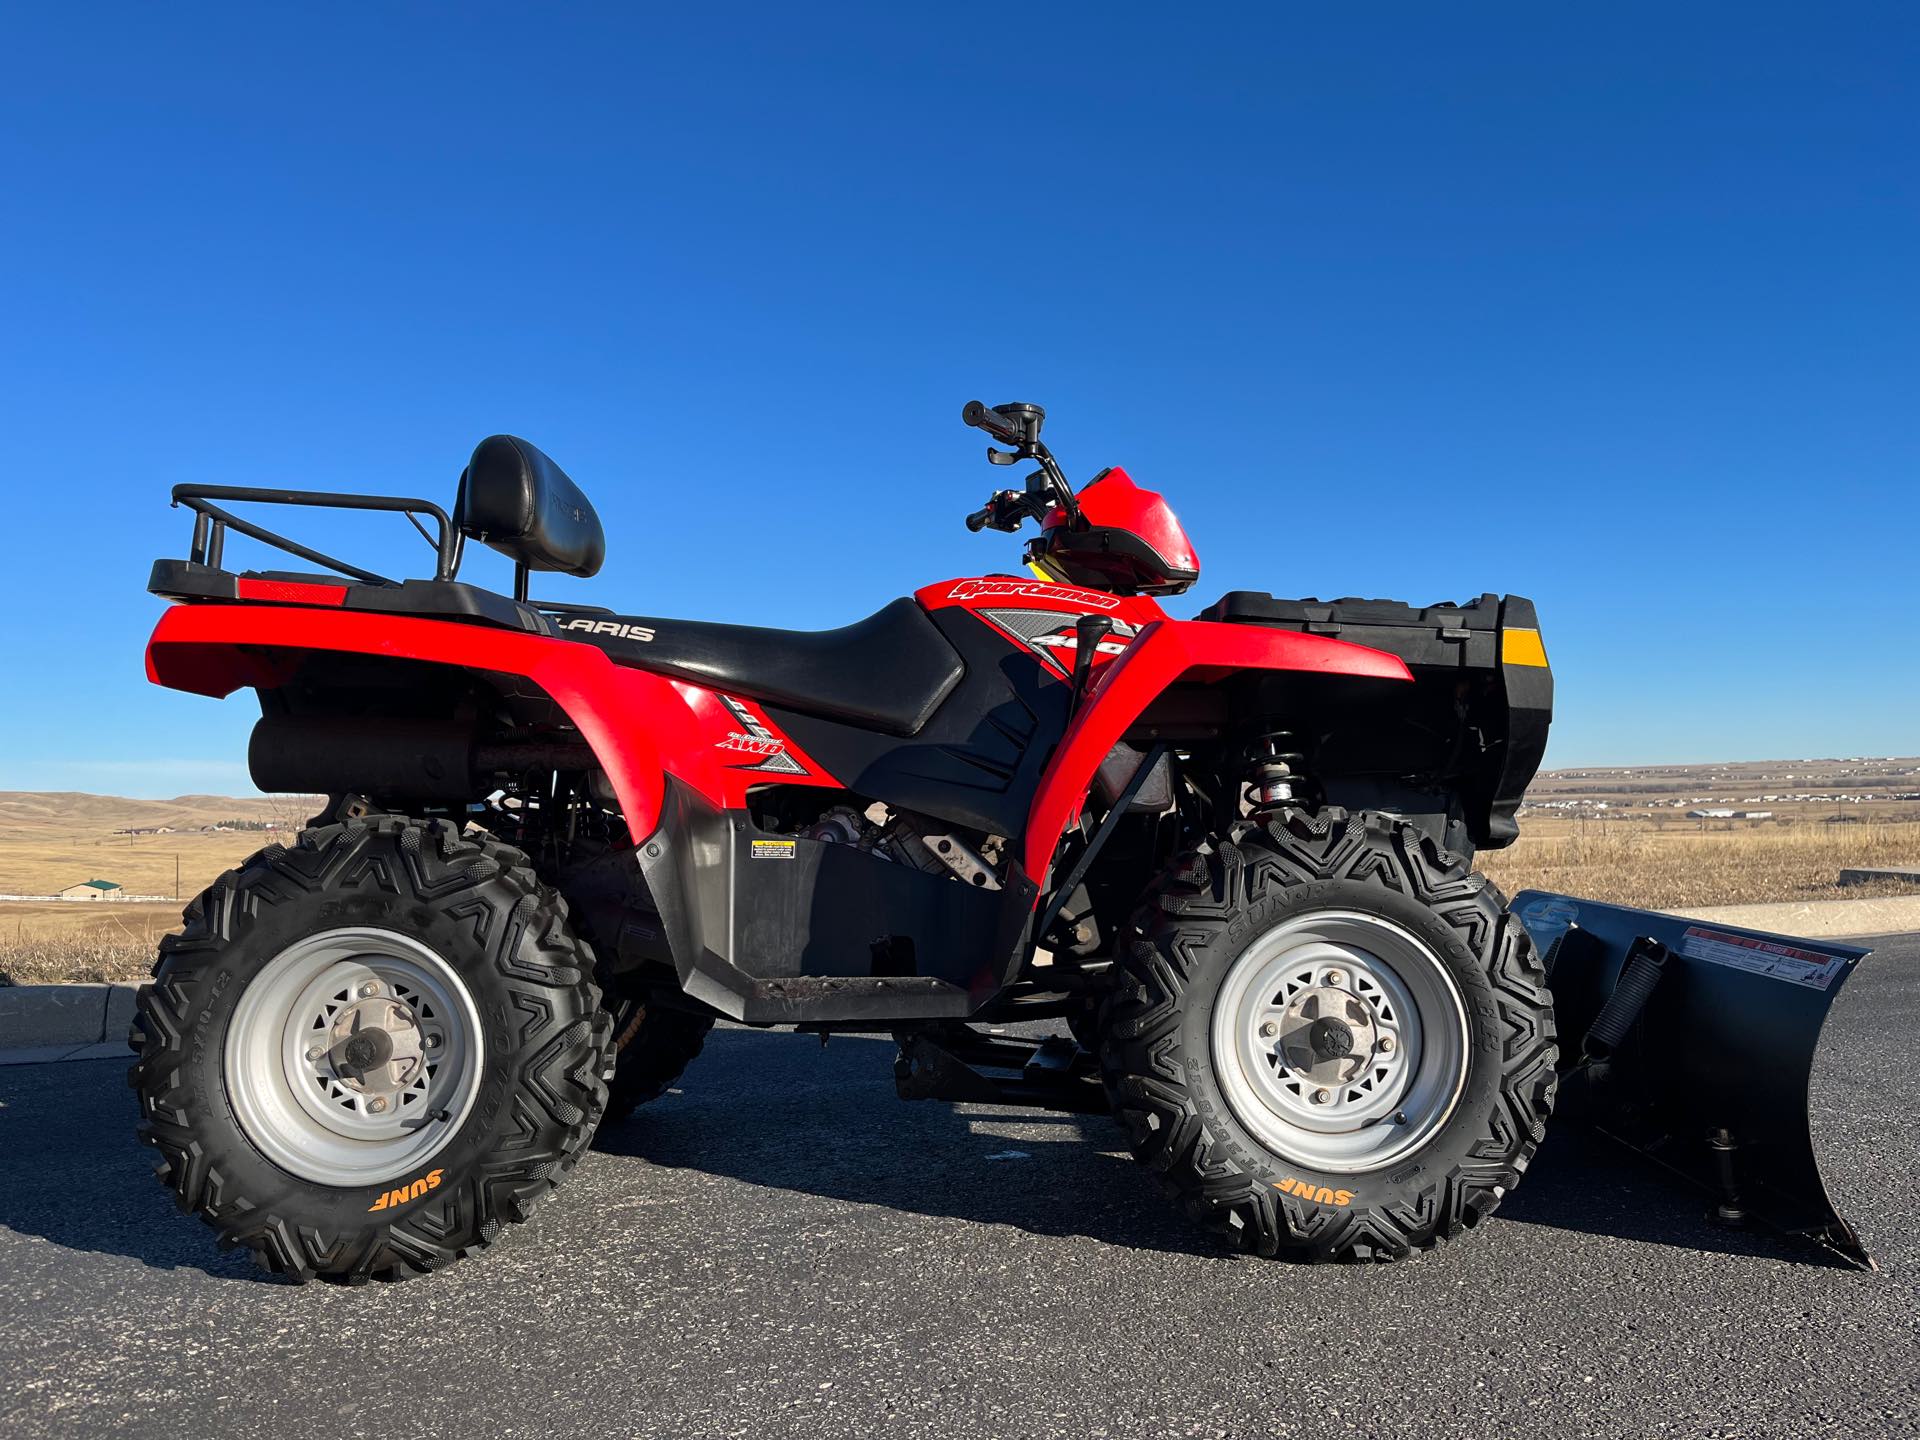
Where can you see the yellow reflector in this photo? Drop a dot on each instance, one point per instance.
(1522, 647)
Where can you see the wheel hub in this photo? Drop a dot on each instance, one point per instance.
(378, 1047)
(1339, 1040)
(1327, 1036)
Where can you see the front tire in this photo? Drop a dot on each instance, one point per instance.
(1331, 1041)
(365, 1054)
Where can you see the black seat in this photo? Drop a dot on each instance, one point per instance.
(888, 672)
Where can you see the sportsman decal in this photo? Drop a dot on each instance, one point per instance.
(1011, 589)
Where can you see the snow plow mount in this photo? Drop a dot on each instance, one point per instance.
(1692, 1043)
(958, 1063)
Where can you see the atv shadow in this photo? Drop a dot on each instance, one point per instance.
(1583, 1182)
(76, 1178)
(777, 1110)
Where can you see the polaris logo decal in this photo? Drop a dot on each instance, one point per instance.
(1032, 590)
(582, 623)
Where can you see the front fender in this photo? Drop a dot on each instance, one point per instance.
(1165, 652)
(636, 723)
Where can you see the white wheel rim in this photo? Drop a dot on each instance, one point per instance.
(1340, 1040)
(353, 1057)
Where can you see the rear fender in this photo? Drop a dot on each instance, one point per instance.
(1168, 651)
(638, 724)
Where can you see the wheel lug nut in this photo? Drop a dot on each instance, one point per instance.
(316, 1052)
(1321, 1097)
(431, 1042)
(370, 989)
(1269, 1029)
(1335, 977)
(1386, 1044)
(377, 1105)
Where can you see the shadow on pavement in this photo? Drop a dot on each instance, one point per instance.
(74, 1174)
(775, 1110)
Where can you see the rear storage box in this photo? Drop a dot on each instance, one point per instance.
(1493, 641)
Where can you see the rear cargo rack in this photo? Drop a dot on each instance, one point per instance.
(211, 523)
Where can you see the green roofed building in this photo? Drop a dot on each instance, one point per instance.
(90, 890)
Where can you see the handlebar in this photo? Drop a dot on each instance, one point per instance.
(983, 417)
(1004, 510)
(1019, 425)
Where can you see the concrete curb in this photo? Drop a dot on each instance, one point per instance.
(1819, 919)
(39, 1023)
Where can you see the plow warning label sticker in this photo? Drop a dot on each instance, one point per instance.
(1795, 965)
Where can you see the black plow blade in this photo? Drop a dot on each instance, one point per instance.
(1692, 1043)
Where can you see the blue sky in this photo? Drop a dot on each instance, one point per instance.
(1611, 306)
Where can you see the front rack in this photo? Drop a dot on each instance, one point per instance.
(211, 523)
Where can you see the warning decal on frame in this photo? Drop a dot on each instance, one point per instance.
(772, 850)
(1778, 961)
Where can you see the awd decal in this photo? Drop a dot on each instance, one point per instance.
(1318, 1194)
(1032, 590)
(642, 633)
(407, 1194)
(755, 739)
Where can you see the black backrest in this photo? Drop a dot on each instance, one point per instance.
(520, 503)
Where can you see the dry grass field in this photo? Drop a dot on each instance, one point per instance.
(1649, 835)
(1620, 835)
(45, 944)
(1674, 868)
(50, 840)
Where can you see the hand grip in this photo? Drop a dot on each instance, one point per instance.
(981, 518)
(983, 417)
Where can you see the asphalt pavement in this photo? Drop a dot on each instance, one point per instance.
(783, 1249)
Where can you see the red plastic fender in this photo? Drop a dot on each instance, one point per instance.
(636, 722)
(1167, 651)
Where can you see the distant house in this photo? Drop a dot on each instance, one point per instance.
(90, 890)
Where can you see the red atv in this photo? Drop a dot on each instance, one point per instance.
(1232, 855)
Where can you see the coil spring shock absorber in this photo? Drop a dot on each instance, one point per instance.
(1278, 772)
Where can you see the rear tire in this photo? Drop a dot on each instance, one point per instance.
(364, 1055)
(1331, 1041)
(653, 1045)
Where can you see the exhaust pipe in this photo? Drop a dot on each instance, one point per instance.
(432, 760)
(1693, 1044)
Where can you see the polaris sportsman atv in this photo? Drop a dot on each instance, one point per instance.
(1231, 856)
